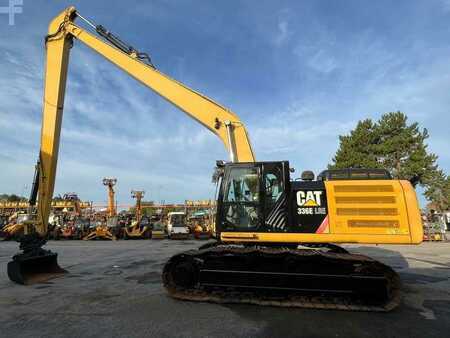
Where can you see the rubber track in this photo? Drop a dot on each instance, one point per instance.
(311, 302)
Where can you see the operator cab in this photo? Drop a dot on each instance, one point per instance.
(252, 196)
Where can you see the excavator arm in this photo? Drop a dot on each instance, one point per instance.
(62, 31)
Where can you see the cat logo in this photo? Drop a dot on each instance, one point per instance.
(309, 198)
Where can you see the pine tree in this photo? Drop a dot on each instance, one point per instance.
(392, 144)
(357, 150)
(438, 191)
(402, 150)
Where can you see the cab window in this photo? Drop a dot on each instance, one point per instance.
(241, 209)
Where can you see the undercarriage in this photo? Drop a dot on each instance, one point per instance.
(320, 276)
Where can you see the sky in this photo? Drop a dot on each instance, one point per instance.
(298, 74)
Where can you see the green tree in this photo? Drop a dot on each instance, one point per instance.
(357, 150)
(12, 198)
(438, 191)
(390, 143)
(401, 148)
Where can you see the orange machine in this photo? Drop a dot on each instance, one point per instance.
(137, 229)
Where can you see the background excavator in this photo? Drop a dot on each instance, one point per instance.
(273, 233)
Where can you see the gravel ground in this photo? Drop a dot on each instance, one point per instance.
(114, 290)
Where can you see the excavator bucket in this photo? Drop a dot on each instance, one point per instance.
(34, 266)
(34, 269)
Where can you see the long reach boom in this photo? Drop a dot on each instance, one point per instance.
(62, 31)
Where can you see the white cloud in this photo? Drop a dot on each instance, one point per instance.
(282, 33)
(321, 62)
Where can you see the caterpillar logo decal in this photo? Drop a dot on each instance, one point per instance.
(309, 198)
(310, 208)
(310, 202)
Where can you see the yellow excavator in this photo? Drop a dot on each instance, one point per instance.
(276, 237)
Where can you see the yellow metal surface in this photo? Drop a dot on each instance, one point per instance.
(200, 203)
(222, 122)
(374, 208)
(14, 205)
(158, 234)
(55, 204)
(372, 211)
(314, 238)
(13, 229)
(101, 232)
(54, 91)
(109, 183)
(413, 209)
(136, 232)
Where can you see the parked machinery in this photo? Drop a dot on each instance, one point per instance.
(157, 226)
(110, 183)
(13, 227)
(139, 228)
(200, 224)
(435, 227)
(65, 220)
(176, 225)
(104, 228)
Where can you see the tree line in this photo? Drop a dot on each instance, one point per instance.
(12, 198)
(394, 144)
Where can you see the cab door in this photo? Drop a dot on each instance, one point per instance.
(240, 200)
(275, 184)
